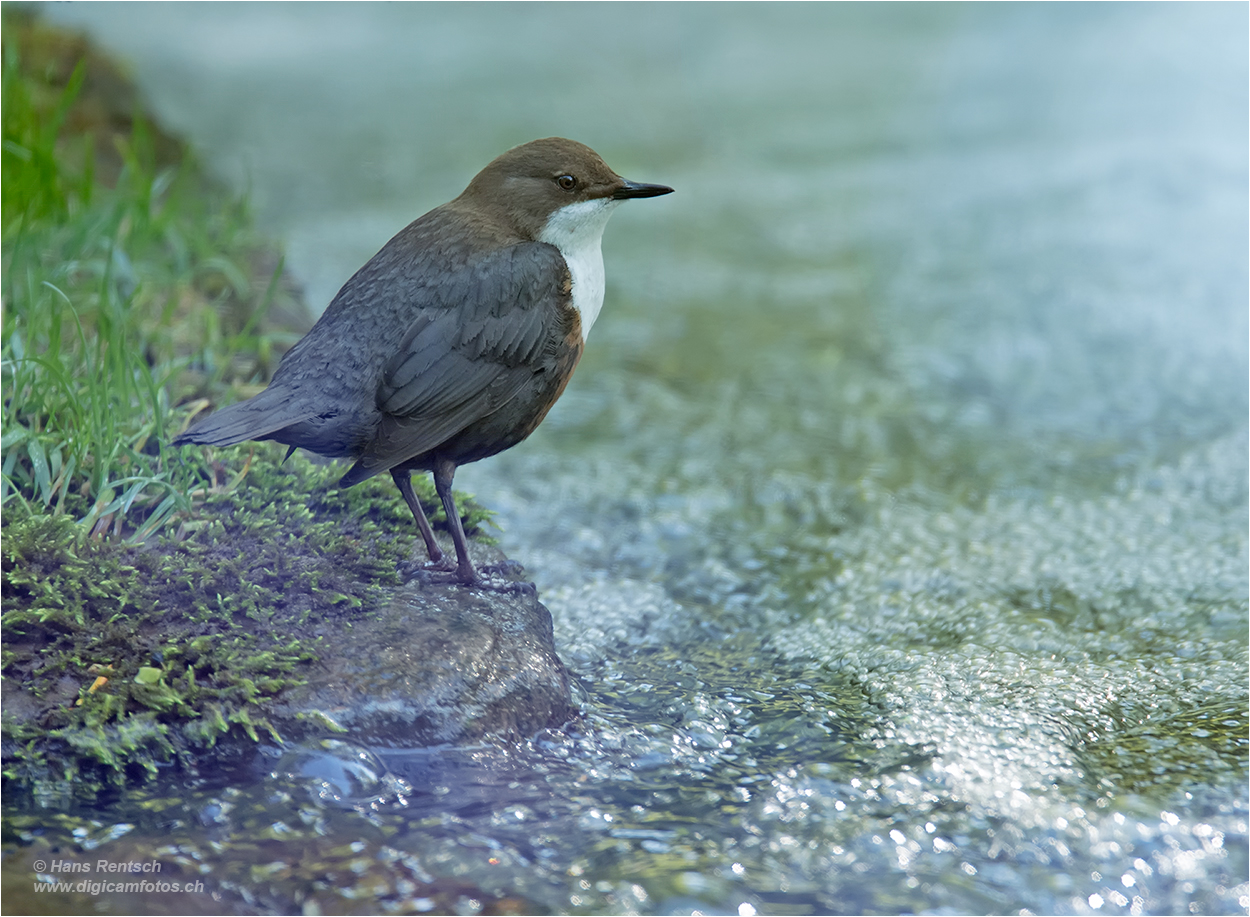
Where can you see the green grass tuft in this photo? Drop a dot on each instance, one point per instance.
(129, 285)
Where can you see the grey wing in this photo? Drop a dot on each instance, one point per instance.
(489, 328)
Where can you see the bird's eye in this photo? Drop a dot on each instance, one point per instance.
(567, 182)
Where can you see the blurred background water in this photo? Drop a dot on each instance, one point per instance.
(895, 523)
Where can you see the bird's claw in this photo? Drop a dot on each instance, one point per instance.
(505, 568)
(523, 587)
(437, 575)
(415, 569)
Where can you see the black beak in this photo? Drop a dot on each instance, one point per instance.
(638, 189)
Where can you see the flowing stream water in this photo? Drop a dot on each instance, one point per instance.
(895, 523)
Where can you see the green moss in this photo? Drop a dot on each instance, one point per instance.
(196, 632)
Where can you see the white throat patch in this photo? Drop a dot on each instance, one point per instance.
(577, 230)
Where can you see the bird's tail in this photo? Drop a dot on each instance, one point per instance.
(256, 418)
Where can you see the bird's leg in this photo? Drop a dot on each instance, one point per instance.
(466, 574)
(403, 480)
(444, 471)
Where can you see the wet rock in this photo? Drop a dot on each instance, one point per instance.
(437, 664)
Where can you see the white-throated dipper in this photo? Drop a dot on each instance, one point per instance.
(453, 342)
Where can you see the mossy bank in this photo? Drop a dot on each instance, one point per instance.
(119, 657)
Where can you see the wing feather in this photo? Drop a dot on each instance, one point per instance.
(491, 327)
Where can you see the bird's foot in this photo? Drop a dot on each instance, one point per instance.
(500, 584)
(429, 575)
(501, 577)
(505, 568)
(421, 570)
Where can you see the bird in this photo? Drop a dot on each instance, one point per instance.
(453, 342)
